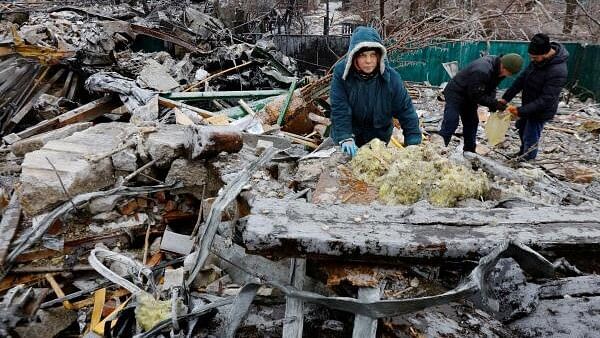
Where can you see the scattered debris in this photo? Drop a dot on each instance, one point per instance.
(165, 170)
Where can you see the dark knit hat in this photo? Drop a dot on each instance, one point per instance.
(512, 62)
(539, 45)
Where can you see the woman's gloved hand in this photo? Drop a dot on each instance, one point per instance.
(349, 147)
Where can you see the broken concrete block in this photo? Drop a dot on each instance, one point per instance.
(106, 216)
(125, 160)
(135, 221)
(178, 243)
(166, 144)
(69, 158)
(103, 204)
(145, 112)
(193, 175)
(49, 324)
(36, 142)
(155, 76)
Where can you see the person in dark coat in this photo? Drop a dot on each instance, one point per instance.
(366, 93)
(472, 86)
(540, 83)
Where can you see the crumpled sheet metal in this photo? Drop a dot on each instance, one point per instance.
(97, 255)
(529, 260)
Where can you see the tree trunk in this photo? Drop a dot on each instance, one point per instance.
(569, 16)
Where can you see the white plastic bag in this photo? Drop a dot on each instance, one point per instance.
(496, 127)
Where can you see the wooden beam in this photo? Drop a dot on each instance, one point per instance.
(294, 307)
(582, 286)
(58, 291)
(197, 84)
(294, 229)
(74, 85)
(366, 327)
(87, 112)
(9, 225)
(16, 119)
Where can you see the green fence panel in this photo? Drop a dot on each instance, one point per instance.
(425, 64)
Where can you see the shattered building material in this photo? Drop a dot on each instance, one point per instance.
(8, 226)
(414, 232)
(35, 142)
(234, 95)
(209, 141)
(242, 174)
(85, 113)
(41, 188)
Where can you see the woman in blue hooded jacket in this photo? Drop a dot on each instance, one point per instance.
(366, 93)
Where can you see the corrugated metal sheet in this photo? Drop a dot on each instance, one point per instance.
(426, 64)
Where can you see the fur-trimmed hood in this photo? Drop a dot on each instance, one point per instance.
(361, 38)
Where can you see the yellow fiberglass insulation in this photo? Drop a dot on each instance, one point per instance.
(408, 175)
(372, 161)
(150, 311)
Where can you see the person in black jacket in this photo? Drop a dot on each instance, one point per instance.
(475, 85)
(541, 83)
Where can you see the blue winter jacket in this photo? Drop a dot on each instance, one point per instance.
(363, 108)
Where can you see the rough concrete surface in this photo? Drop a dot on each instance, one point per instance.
(40, 187)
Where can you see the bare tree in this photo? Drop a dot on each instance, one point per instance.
(570, 11)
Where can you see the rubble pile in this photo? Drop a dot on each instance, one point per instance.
(163, 176)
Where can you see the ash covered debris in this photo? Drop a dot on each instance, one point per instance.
(165, 170)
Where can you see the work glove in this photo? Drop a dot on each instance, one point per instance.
(500, 105)
(514, 111)
(349, 147)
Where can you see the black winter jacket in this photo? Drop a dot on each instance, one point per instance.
(541, 85)
(476, 84)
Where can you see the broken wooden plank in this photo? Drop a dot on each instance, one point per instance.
(16, 119)
(295, 228)
(66, 85)
(572, 286)
(197, 84)
(85, 113)
(39, 128)
(10, 281)
(294, 307)
(240, 265)
(99, 297)
(58, 291)
(73, 89)
(364, 326)
(8, 225)
(89, 111)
